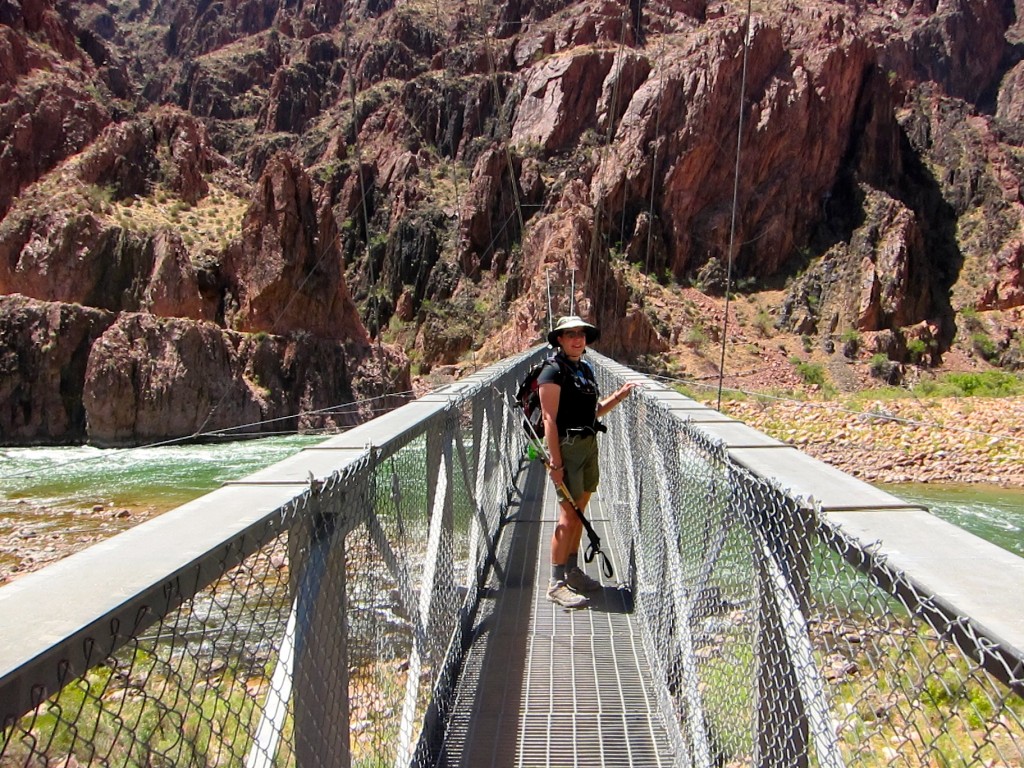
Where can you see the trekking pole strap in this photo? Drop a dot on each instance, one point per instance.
(594, 547)
(606, 564)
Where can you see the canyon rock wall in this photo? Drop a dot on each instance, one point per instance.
(394, 180)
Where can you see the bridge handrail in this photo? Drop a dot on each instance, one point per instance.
(836, 591)
(931, 565)
(90, 607)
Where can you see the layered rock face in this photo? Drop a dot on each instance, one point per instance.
(148, 377)
(117, 332)
(44, 350)
(381, 174)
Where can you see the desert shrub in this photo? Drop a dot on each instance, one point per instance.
(916, 349)
(973, 384)
(984, 345)
(810, 373)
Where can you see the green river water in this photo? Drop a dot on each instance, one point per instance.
(164, 476)
(61, 486)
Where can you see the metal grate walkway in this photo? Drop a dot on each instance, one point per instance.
(544, 687)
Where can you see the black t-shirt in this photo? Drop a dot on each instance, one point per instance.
(577, 402)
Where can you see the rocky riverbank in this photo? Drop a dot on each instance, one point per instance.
(941, 440)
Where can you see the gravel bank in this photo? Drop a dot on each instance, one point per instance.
(943, 440)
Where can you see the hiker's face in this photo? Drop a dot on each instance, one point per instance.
(574, 340)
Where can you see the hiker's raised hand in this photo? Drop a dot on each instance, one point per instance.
(625, 389)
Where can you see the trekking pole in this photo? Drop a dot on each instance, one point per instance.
(536, 449)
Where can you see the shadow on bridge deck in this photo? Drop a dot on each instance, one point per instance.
(543, 686)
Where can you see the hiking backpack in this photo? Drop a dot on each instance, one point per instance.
(528, 398)
(528, 394)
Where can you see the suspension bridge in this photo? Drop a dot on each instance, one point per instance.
(377, 600)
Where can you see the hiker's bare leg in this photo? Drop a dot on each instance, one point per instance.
(581, 502)
(567, 534)
(569, 531)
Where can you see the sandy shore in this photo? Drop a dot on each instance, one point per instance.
(944, 440)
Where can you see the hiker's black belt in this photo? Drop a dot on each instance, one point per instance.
(585, 431)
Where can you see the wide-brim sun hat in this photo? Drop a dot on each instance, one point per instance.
(570, 322)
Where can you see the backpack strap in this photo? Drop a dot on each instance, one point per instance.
(553, 360)
(588, 371)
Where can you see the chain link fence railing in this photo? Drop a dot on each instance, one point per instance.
(781, 639)
(316, 613)
(326, 629)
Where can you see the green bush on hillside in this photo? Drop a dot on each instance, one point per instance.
(984, 346)
(978, 384)
(810, 373)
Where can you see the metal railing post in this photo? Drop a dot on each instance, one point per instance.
(781, 557)
(436, 587)
(321, 690)
(681, 659)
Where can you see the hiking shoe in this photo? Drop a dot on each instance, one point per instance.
(559, 593)
(578, 581)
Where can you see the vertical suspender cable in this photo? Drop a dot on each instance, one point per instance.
(735, 195)
(654, 157)
(572, 293)
(372, 287)
(594, 267)
(547, 279)
(505, 127)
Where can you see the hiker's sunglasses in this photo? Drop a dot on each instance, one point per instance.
(574, 334)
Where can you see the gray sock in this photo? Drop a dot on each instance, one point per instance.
(557, 573)
(573, 562)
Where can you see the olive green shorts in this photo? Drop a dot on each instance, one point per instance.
(579, 457)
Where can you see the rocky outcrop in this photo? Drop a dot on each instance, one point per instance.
(285, 271)
(498, 202)
(957, 46)
(796, 136)
(166, 146)
(44, 350)
(60, 242)
(978, 194)
(1005, 287)
(560, 99)
(72, 373)
(50, 109)
(892, 291)
(149, 377)
(43, 124)
(174, 288)
(85, 259)
(1010, 105)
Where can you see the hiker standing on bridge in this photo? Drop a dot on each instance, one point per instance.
(571, 407)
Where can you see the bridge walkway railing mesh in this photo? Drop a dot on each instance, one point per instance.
(319, 612)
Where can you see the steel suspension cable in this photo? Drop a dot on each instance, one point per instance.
(735, 196)
(505, 132)
(594, 271)
(337, 408)
(654, 157)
